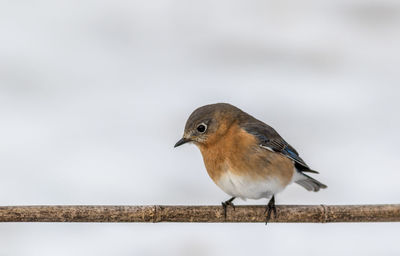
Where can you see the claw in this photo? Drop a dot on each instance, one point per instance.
(269, 209)
(225, 205)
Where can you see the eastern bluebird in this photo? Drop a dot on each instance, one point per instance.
(245, 157)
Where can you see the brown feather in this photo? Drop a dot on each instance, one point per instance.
(232, 148)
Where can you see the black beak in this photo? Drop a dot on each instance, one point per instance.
(181, 142)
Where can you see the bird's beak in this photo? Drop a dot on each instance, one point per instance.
(181, 142)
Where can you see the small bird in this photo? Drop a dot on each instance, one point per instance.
(245, 157)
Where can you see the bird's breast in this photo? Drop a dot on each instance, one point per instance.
(240, 167)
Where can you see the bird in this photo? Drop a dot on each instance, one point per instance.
(244, 156)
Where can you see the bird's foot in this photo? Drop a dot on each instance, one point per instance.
(269, 209)
(226, 203)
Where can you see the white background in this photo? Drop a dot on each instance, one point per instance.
(94, 94)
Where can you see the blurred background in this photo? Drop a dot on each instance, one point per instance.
(94, 94)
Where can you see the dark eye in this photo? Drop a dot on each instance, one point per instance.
(201, 128)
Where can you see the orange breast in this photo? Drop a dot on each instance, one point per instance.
(239, 152)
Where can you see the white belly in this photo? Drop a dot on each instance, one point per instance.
(246, 187)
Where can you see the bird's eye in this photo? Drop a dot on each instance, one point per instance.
(201, 128)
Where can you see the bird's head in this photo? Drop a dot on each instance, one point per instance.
(207, 123)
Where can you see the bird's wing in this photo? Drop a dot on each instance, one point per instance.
(271, 140)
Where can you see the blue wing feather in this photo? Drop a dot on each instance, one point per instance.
(268, 137)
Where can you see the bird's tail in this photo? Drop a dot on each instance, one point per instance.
(307, 182)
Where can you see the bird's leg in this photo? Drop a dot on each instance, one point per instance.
(226, 203)
(269, 209)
